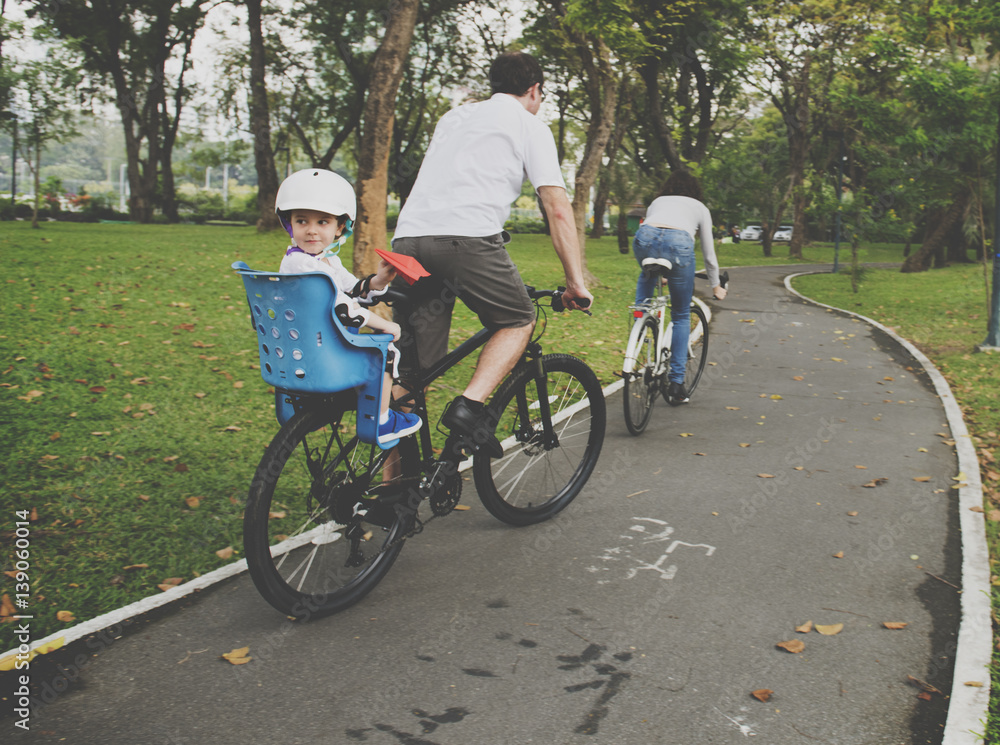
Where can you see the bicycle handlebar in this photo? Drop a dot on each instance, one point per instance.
(723, 278)
(557, 302)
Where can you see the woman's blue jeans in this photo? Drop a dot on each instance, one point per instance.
(678, 247)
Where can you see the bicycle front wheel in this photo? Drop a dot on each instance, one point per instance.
(542, 471)
(641, 384)
(697, 353)
(318, 531)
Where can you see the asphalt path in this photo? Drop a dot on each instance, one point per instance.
(809, 481)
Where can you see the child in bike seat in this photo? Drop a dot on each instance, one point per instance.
(317, 208)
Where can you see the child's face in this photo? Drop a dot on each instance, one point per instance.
(313, 231)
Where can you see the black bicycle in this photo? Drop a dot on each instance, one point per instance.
(327, 514)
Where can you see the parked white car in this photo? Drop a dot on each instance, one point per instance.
(783, 234)
(751, 233)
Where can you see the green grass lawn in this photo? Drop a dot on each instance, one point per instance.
(134, 413)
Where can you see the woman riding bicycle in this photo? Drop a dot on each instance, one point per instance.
(668, 231)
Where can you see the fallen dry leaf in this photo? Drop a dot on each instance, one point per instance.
(192, 502)
(744, 444)
(65, 616)
(973, 683)
(462, 507)
(776, 397)
(136, 566)
(7, 608)
(830, 629)
(805, 628)
(765, 476)
(793, 645)
(225, 553)
(852, 513)
(894, 625)
(275, 515)
(762, 694)
(839, 555)
(921, 478)
(238, 656)
(687, 434)
(732, 408)
(927, 687)
(876, 482)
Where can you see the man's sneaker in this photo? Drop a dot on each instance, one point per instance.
(399, 424)
(676, 395)
(466, 417)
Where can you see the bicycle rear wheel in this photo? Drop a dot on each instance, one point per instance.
(641, 384)
(697, 353)
(320, 529)
(539, 474)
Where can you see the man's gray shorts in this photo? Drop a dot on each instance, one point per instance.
(477, 270)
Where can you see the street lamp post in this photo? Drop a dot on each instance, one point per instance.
(840, 196)
(992, 341)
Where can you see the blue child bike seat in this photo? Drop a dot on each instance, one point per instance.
(305, 349)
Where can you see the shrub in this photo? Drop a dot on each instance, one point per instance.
(518, 224)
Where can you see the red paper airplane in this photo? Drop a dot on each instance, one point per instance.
(407, 266)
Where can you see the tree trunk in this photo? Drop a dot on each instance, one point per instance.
(921, 260)
(765, 237)
(260, 123)
(650, 73)
(614, 144)
(797, 120)
(376, 139)
(38, 180)
(600, 207)
(623, 228)
(602, 89)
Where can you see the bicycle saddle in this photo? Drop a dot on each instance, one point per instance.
(654, 266)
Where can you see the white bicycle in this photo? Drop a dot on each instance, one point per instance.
(647, 356)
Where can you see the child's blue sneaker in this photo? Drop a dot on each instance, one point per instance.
(399, 424)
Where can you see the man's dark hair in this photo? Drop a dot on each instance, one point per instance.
(682, 184)
(515, 73)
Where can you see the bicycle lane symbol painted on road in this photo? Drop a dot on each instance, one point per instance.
(645, 538)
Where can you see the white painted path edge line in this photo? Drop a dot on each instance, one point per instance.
(968, 706)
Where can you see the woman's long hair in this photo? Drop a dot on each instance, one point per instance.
(682, 184)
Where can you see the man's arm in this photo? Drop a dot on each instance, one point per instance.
(563, 233)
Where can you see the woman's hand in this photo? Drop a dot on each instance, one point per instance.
(720, 292)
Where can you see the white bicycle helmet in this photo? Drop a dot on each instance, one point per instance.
(320, 190)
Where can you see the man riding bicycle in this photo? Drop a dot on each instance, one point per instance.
(452, 223)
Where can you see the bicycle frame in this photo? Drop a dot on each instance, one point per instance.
(655, 307)
(416, 385)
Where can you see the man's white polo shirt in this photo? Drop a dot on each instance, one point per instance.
(479, 157)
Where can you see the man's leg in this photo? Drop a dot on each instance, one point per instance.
(497, 359)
